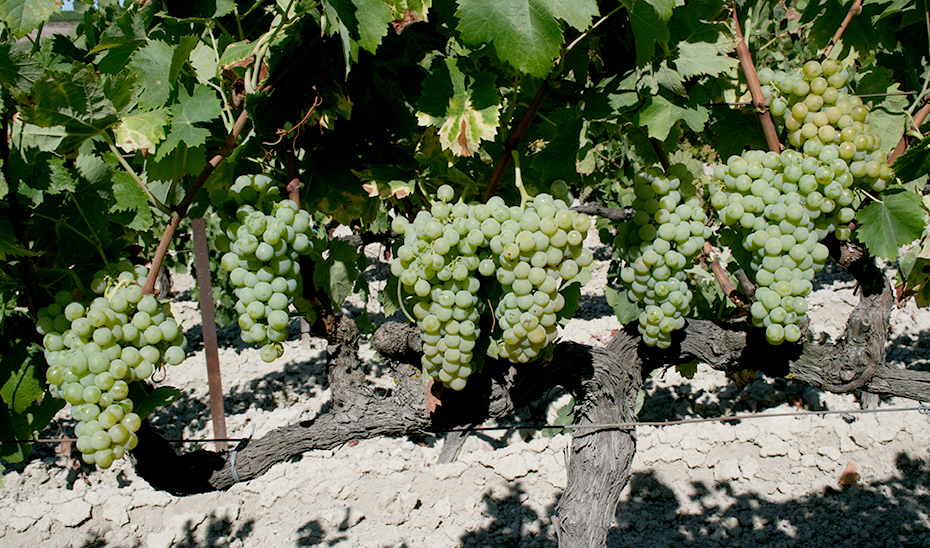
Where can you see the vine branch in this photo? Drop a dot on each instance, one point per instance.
(511, 145)
(755, 88)
(854, 10)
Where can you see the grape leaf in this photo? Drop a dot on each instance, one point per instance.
(129, 197)
(141, 131)
(374, 18)
(915, 162)
(733, 130)
(9, 244)
(648, 29)
(145, 403)
(203, 59)
(202, 106)
(336, 275)
(23, 16)
(181, 55)
(524, 33)
(151, 66)
(46, 139)
(914, 271)
(24, 407)
(77, 103)
(626, 310)
(466, 120)
(18, 70)
(660, 115)
(236, 53)
(702, 58)
(340, 20)
(665, 7)
(896, 220)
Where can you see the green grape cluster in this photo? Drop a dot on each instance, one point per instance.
(437, 263)
(262, 248)
(94, 351)
(530, 250)
(815, 105)
(661, 240)
(536, 249)
(782, 206)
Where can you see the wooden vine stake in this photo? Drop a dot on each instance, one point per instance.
(208, 321)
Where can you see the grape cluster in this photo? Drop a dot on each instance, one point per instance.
(815, 105)
(528, 249)
(782, 206)
(437, 263)
(94, 351)
(262, 248)
(665, 234)
(536, 249)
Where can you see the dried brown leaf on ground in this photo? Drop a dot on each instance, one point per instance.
(849, 476)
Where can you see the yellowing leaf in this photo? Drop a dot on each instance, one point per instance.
(462, 133)
(141, 131)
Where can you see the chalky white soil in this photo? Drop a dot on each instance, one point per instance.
(754, 483)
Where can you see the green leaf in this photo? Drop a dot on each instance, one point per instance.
(25, 408)
(733, 131)
(129, 197)
(23, 16)
(660, 115)
(203, 59)
(665, 7)
(202, 106)
(915, 162)
(151, 66)
(181, 54)
(9, 244)
(141, 131)
(648, 29)
(77, 103)
(146, 403)
(18, 70)
(236, 52)
(896, 220)
(46, 139)
(915, 272)
(702, 58)
(374, 18)
(524, 33)
(687, 370)
(626, 310)
(337, 274)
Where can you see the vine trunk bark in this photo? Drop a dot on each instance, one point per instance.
(604, 381)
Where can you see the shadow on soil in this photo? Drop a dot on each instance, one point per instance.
(891, 512)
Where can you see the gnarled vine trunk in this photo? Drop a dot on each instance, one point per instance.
(604, 381)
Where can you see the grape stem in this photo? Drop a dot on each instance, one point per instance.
(400, 302)
(720, 274)
(518, 179)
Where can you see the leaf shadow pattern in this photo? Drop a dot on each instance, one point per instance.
(513, 522)
(887, 512)
(212, 531)
(284, 386)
